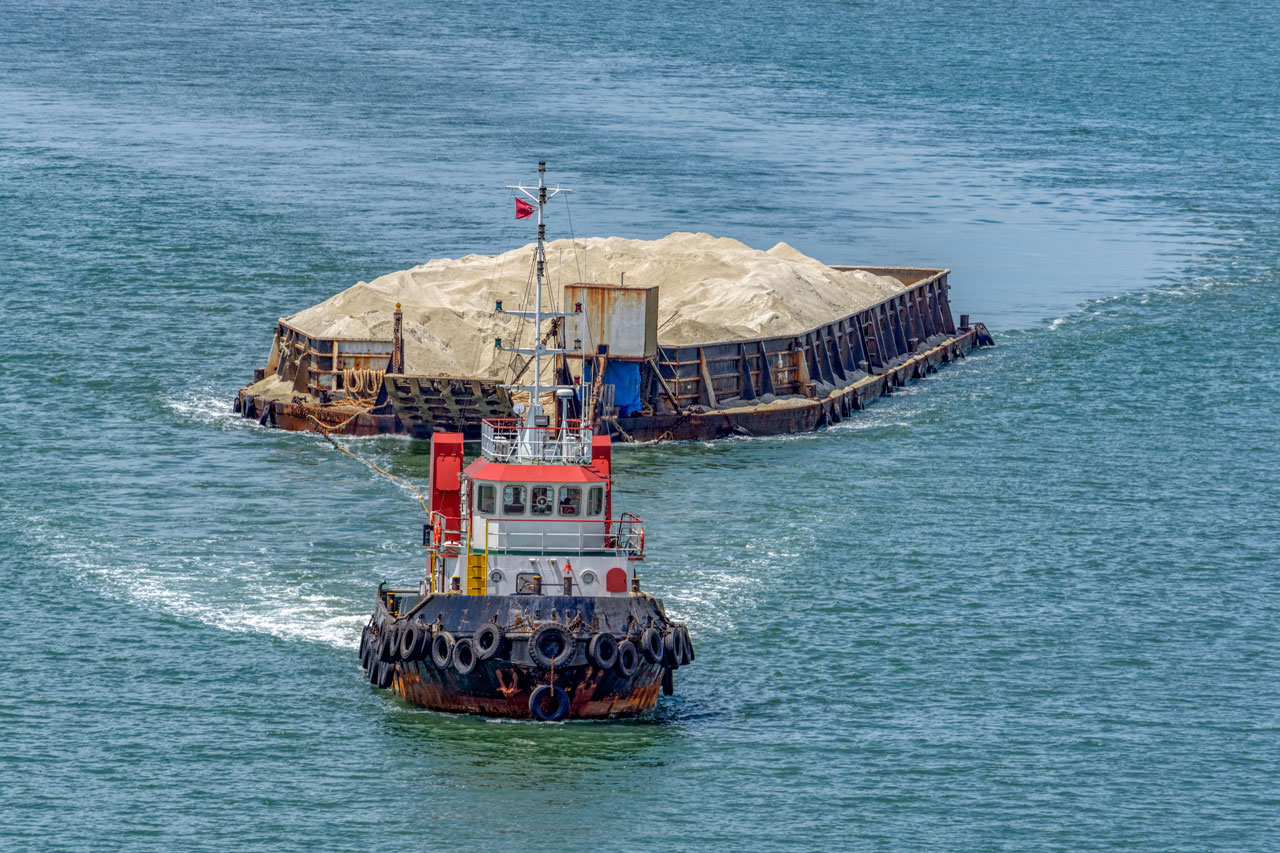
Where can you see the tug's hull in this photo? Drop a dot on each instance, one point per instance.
(502, 685)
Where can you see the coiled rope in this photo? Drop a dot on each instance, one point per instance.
(361, 383)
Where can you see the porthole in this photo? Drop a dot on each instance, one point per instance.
(588, 577)
(496, 576)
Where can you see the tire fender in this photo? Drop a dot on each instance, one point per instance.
(464, 656)
(551, 645)
(442, 649)
(538, 701)
(671, 648)
(628, 659)
(412, 641)
(385, 650)
(488, 640)
(603, 650)
(651, 645)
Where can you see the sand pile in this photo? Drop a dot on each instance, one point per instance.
(710, 289)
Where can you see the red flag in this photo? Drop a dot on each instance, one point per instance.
(523, 209)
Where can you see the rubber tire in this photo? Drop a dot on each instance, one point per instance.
(538, 697)
(385, 651)
(412, 641)
(424, 641)
(374, 666)
(464, 656)
(651, 645)
(628, 660)
(671, 648)
(689, 656)
(668, 683)
(386, 672)
(488, 629)
(541, 635)
(364, 648)
(442, 649)
(603, 650)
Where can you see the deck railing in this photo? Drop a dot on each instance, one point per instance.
(509, 440)
(623, 536)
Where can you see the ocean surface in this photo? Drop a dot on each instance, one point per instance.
(1030, 603)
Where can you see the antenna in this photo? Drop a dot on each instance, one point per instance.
(534, 415)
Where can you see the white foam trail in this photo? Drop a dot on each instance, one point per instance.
(205, 407)
(278, 608)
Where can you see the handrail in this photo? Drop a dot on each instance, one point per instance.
(506, 440)
(618, 536)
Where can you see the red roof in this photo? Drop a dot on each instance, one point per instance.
(483, 469)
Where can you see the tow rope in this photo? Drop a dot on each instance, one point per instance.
(324, 431)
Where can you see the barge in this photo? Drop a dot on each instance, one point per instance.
(634, 379)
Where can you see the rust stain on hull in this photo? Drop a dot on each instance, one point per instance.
(592, 694)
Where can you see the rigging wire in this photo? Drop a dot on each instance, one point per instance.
(573, 241)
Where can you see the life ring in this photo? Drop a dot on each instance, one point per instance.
(487, 640)
(651, 645)
(442, 648)
(628, 660)
(538, 701)
(551, 645)
(603, 650)
(464, 656)
(437, 532)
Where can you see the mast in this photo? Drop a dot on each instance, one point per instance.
(534, 416)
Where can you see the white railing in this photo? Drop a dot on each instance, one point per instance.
(624, 536)
(512, 441)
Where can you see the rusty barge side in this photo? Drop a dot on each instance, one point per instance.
(789, 384)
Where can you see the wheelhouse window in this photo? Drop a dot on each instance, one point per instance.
(570, 500)
(513, 500)
(595, 500)
(542, 496)
(486, 498)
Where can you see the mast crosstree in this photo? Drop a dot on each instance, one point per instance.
(534, 416)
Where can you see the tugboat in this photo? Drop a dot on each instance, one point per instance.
(530, 606)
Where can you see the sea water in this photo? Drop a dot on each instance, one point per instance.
(1028, 603)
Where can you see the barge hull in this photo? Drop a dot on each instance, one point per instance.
(806, 416)
(698, 391)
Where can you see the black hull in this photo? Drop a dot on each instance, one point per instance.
(504, 685)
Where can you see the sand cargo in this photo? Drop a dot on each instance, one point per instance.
(686, 337)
